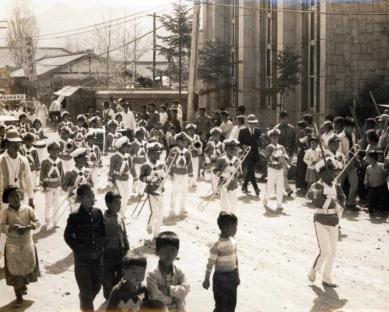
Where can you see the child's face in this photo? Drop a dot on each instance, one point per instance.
(115, 205)
(53, 152)
(181, 143)
(327, 176)
(216, 136)
(140, 135)
(135, 274)
(313, 144)
(87, 200)
(80, 123)
(28, 143)
(112, 129)
(81, 161)
(167, 254)
(370, 160)
(190, 131)
(37, 125)
(91, 141)
(153, 155)
(64, 135)
(22, 119)
(65, 118)
(14, 199)
(334, 146)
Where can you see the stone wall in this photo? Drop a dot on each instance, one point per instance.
(357, 48)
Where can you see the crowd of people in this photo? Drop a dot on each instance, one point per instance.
(331, 164)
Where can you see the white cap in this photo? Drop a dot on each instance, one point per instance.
(122, 141)
(81, 151)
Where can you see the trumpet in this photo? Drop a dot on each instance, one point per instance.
(68, 147)
(198, 146)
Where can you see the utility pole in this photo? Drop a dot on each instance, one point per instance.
(135, 47)
(154, 46)
(193, 61)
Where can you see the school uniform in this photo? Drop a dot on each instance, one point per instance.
(138, 152)
(226, 168)
(275, 172)
(51, 177)
(72, 180)
(375, 181)
(213, 150)
(85, 235)
(195, 158)
(181, 172)
(23, 128)
(65, 149)
(326, 200)
(39, 133)
(115, 247)
(169, 288)
(120, 168)
(62, 124)
(152, 174)
(33, 159)
(94, 155)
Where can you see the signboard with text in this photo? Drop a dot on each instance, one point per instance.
(12, 97)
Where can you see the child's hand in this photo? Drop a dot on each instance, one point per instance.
(206, 284)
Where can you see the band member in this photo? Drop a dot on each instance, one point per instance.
(112, 136)
(65, 117)
(79, 175)
(23, 126)
(276, 157)
(327, 198)
(333, 154)
(36, 128)
(181, 172)
(94, 155)
(196, 149)
(153, 173)
(67, 146)
(31, 154)
(250, 136)
(226, 169)
(213, 150)
(80, 130)
(120, 168)
(51, 177)
(138, 152)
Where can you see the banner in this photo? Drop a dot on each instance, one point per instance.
(12, 97)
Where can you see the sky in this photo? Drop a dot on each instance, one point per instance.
(60, 15)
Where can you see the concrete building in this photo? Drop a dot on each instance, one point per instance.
(342, 44)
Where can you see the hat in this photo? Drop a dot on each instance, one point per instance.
(81, 117)
(231, 142)
(28, 136)
(252, 119)
(153, 147)
(94, 119)
(191, 126)
(302, 124)
(338, 119)
(225, 113)
(139, 129)
(12, 135)
(333, 138)
(80, 151)
(121, 142)
(215, 130)
(64, 113)
(181, 136)
(52, 145)
(274, 132)
(313, 138)
(327, 123)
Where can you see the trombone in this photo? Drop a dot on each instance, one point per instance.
(204, 203)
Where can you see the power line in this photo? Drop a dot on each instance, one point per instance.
(292, 10)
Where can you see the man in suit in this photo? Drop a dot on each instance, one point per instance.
(250, 136)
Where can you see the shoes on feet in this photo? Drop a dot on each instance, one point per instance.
(329, 284)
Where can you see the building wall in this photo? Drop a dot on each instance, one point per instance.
(5, 85)
(357, 49)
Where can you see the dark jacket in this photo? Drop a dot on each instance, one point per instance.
(254, 141)
(85, 233)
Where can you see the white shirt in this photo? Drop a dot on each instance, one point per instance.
(129, 120)
(325, 137)
(235, 132)
(55, 106)
(163, 117)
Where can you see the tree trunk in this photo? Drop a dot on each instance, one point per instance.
(180, 61)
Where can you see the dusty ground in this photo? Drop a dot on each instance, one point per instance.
(275, 255)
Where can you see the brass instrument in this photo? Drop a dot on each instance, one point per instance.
(68, 147)
(198, 146)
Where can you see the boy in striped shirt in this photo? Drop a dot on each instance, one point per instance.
(223, 257)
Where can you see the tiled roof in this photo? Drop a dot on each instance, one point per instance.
(145, 69)
(7, 59)
(47, 64)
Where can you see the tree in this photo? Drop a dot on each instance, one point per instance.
(176, 44)
(288, 69)
(22, 29)
(215, 68)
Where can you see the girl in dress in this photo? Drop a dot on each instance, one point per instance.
(311, 158)
(18, 221)
(41, 112)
